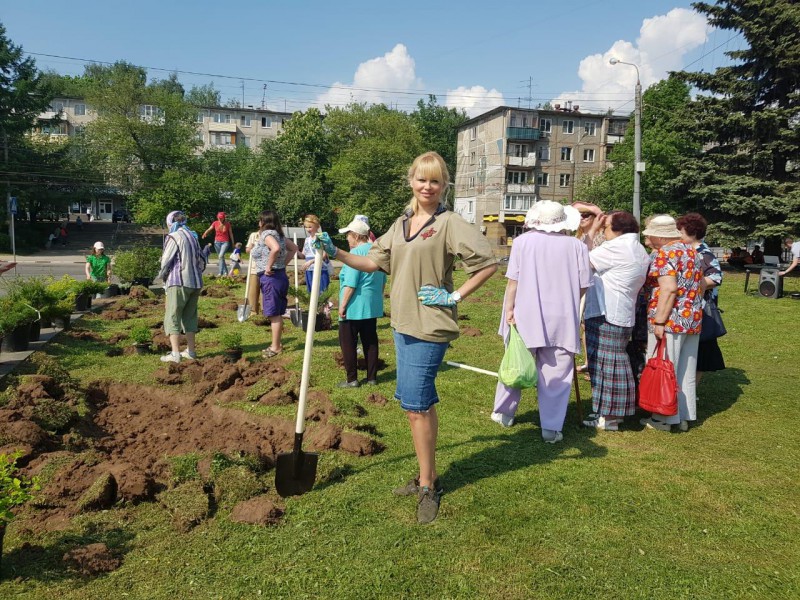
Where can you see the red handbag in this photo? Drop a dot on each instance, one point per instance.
(658, 386)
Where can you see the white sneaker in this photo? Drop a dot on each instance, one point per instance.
(551, 436)
(504, 420)
(684, 425)
(602, 423)
(189, 355)
(171, 357)
(653, 423)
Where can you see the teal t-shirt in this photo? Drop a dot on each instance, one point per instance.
(367, 299)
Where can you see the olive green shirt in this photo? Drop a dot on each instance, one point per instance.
(428, 259)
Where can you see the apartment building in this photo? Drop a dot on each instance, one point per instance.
(508, 158)
(218, 127)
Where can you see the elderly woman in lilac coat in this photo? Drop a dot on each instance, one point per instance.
(548, 273)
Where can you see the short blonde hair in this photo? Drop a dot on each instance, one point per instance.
(311, 220)
(430, 165)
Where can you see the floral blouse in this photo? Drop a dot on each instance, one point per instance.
(680, 261)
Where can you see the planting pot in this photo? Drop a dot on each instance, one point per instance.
(142, 348)
(17, 339)
(35, 331)
(232, 354)
(300, 319)
(145, 281)
(82, 302)
(111, 291)
(45, 323)
(62, 322)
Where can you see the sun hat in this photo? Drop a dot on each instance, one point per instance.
(550, 216)
(357, 226)
(99, 246)
(220, 215)
(662, 226)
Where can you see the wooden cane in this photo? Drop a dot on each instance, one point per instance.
(578, 405)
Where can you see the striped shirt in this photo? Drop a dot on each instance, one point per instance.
(183, 262)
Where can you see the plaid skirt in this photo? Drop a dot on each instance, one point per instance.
(613, 385)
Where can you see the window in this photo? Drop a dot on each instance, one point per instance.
(563, 180)
(246, 121)
(470, 206)
(566, 153)
(472, 158)
(588, 155)
(266, 122)
(513, 121)
(222, 118)
(516, 177)
(617, 127)
(516, 202)
(518, 150)
(473, 133)
(590, 128)
(471, 182)
(543, 152)
(524, 121)
(57, 106)
(80, 110)
(54, 128)
(148, 111)
(568, 127)
(545, 125)
(244, 140)
(199, 137)
(198, 118)
(222, 139)
(543, 179)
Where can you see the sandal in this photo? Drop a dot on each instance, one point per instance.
(269, 353)
(582, 368)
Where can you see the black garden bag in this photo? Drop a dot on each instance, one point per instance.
(712, 327)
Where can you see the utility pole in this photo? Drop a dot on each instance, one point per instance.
(264, 98)
(242, 93)
(529, 83)
(638, 166)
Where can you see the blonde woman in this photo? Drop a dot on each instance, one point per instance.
(312, 226)
(419, 251)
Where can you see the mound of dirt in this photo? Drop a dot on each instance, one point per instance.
(122, 451)
(79, 334)
(92, 560)
(471, 332)
(256, 511)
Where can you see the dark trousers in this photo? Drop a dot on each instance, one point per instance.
(349, 331)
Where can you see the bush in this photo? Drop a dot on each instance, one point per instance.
(141, 334)
(14, 488)
(33, 291)
(15, 313)
(140, 262)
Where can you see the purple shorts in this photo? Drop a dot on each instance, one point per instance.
(274, 290)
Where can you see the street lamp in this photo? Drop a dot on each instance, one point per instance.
(638, 167)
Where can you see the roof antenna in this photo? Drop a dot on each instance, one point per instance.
(264, 98)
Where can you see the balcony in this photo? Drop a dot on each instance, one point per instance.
(224, 127)
(520, 188)
(528, 161)
(522, 133)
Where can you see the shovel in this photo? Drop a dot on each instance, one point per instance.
(295, 472)
(295, 315)
(243, 312)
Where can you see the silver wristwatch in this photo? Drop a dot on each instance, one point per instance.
(456, 297)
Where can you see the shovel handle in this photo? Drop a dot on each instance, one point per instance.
(300, 424)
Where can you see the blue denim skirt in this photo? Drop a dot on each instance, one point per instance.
(418, 363)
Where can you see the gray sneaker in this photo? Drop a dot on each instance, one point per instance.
(427, 505)
(412, 488)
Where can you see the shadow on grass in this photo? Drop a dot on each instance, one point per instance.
(518, 449)
(718, 391)
(46, 563)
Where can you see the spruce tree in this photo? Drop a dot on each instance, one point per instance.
(748, 179)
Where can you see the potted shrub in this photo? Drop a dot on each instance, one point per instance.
(231, 345)
(84, 291)
(17, 318)
(15, 490)
(138, 265)
(300, 319)
(61, 313)
(142, 338)
(35, 293)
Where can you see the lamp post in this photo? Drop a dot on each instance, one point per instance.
(638, 167)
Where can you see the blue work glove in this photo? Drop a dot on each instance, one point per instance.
(323, 240)
(433, 296)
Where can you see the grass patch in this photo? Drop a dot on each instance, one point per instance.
(711, 513)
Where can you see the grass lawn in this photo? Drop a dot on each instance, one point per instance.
(712, 513)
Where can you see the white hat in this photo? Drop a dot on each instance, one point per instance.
(356, 226)
(99, 246)
(364, 218)
(662, 226)
(547, 215)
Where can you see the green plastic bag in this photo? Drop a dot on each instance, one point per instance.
(517, 369)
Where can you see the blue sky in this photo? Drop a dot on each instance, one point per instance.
(470, 54)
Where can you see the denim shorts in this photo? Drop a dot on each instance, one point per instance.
(418, 363)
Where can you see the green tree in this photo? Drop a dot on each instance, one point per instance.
(204, 96)
(141, 130)
(748, 180)
(667, 144)
(23, 95)
(438, 126)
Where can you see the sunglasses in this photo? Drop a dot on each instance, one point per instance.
(586, 215)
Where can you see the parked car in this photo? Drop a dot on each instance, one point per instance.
(121, 215)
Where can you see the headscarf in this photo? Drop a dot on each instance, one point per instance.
(176, 220)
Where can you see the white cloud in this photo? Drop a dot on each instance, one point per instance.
(475, 100)
(663, 42)
(382, 77)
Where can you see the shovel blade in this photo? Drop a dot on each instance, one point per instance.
(243, 312)
(295, 473)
